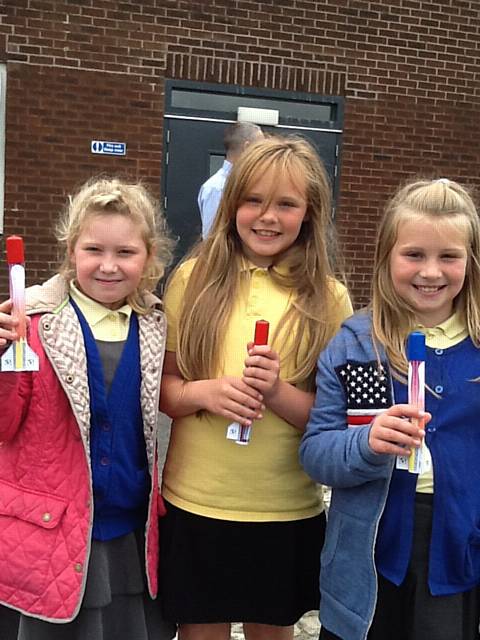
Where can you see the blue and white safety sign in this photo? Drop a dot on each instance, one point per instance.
(109, 148)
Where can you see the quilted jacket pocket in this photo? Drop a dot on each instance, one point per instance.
(42, 509)
(29, 540)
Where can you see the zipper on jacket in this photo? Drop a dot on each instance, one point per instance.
(377, 525)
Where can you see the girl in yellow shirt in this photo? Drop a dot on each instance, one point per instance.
(245, 525)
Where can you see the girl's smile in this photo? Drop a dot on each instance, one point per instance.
(428, 264)
(270, 217)
(266, 233)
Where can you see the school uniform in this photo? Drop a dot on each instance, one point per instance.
(242, 535)
(80, 441)
(422, 545)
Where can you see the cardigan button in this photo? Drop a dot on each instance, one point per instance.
(69, 378)
(78, 567)
(46, 517)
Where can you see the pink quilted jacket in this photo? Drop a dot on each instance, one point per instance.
(46, 506)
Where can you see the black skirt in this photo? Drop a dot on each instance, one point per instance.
(116, 604)
(215, 571)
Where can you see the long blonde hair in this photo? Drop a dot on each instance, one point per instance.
(441, 201)
(214, 283)
(108, 196)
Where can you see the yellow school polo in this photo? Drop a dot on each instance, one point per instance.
(106, 324)
(207, 474)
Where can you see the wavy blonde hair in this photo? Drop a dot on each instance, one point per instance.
(214, 283)
(443, 202)
(113, 196)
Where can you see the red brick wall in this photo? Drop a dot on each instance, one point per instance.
(94, 69)
(52, 116)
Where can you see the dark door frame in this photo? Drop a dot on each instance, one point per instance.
(296, 122)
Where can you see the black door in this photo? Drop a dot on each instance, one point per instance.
(194, 151)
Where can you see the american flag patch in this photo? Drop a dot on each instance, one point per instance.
(368, 390)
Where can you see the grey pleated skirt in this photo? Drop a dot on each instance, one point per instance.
(116, 604)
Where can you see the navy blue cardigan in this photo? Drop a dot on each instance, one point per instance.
(121, 482)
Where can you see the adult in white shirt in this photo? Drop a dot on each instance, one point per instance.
(236, 138)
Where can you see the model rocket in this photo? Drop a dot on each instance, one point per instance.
(419, 460)
(241, 433)
(261, 337)
(19, 356)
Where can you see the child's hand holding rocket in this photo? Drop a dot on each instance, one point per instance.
(262, 369)
(8, 324)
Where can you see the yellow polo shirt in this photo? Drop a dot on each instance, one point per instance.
(106, 324)
(207, 474)
(445, 335)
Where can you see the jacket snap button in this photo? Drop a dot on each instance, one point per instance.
(47, 517)
(78, 567)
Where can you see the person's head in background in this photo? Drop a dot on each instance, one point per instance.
(237, 137)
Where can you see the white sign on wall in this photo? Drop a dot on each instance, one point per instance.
(109, 148)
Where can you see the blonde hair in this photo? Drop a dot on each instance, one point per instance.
(441, 201)
(216, 275)
(113, 196)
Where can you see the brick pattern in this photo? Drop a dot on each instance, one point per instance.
(95, 70)
(255, 74)
(48, 146)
